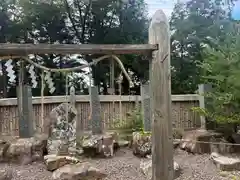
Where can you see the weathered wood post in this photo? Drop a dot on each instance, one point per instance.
(25, 108)
(160, 94)
(146, 106)
(202, 90)
(97, 125)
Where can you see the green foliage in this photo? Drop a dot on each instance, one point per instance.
(73, 22)
(192, 23)
(221, 69)
(134, 121)
(200, 111)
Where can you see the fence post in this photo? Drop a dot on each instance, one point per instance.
(97, 126)
(146, 106)
(160, 93)
(202, 89)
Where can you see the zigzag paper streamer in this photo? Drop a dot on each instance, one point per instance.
(50, 83)
(33, 76)
(9, 69)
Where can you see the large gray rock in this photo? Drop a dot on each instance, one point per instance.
(141, 144)
(80, 171)
(191, 141)
(24, 150)
(146, 168)
(221, 146)
(54, 162)
(6, 174)
(61, 128)
(225, 163)
(101, 144)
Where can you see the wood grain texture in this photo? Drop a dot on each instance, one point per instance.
(160, 92)
(22, 49)
(97, 126)
(26, 121)
(146, 107)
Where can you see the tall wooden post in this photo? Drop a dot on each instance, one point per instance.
(160, 93)
(25, 108)
(202, 89)
(97, 126)
(146, 106)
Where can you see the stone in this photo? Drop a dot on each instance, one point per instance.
(61, 129)
(236, 140)
(4, 145)
(101, 144)
(78, 151)
(189, 139)
(221, 146)
(54, 162)
(78, 172)
(146, 169)
(123, 143)
(225, 163)
(6, 174)
(26, 150)
(141, 144)
(176, 143)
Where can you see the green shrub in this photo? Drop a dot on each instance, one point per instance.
(177, 133)
(134, 121)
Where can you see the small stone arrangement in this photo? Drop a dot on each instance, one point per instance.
(21, 151)
(57, 149)
(59, 143)
(141, 144)
(221, 153)
(102, 145)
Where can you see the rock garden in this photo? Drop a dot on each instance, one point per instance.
(59, 154)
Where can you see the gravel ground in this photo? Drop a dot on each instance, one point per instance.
(200, 167)
(124, 166)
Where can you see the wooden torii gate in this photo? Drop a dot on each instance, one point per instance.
(160, 83)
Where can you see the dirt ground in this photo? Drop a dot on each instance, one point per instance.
(125, 166)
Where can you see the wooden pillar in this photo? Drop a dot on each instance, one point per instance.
(25, 110)
(146, 106)
(160, 94)
(202, 90)
(97, 126)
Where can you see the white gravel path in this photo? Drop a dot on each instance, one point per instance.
(125, 166)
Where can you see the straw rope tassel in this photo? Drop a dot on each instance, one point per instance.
(42, 99)
(66, 96)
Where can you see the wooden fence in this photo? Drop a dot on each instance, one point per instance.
(182, 115)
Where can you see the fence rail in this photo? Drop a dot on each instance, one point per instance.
(182, 115)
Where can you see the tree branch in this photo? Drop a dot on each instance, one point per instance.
(72, 21)
(85, 18)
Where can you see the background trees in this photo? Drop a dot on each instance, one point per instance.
(194, 24)
(64, 21)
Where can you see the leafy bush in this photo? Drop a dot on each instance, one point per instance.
(134, 121)
(221, 69)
